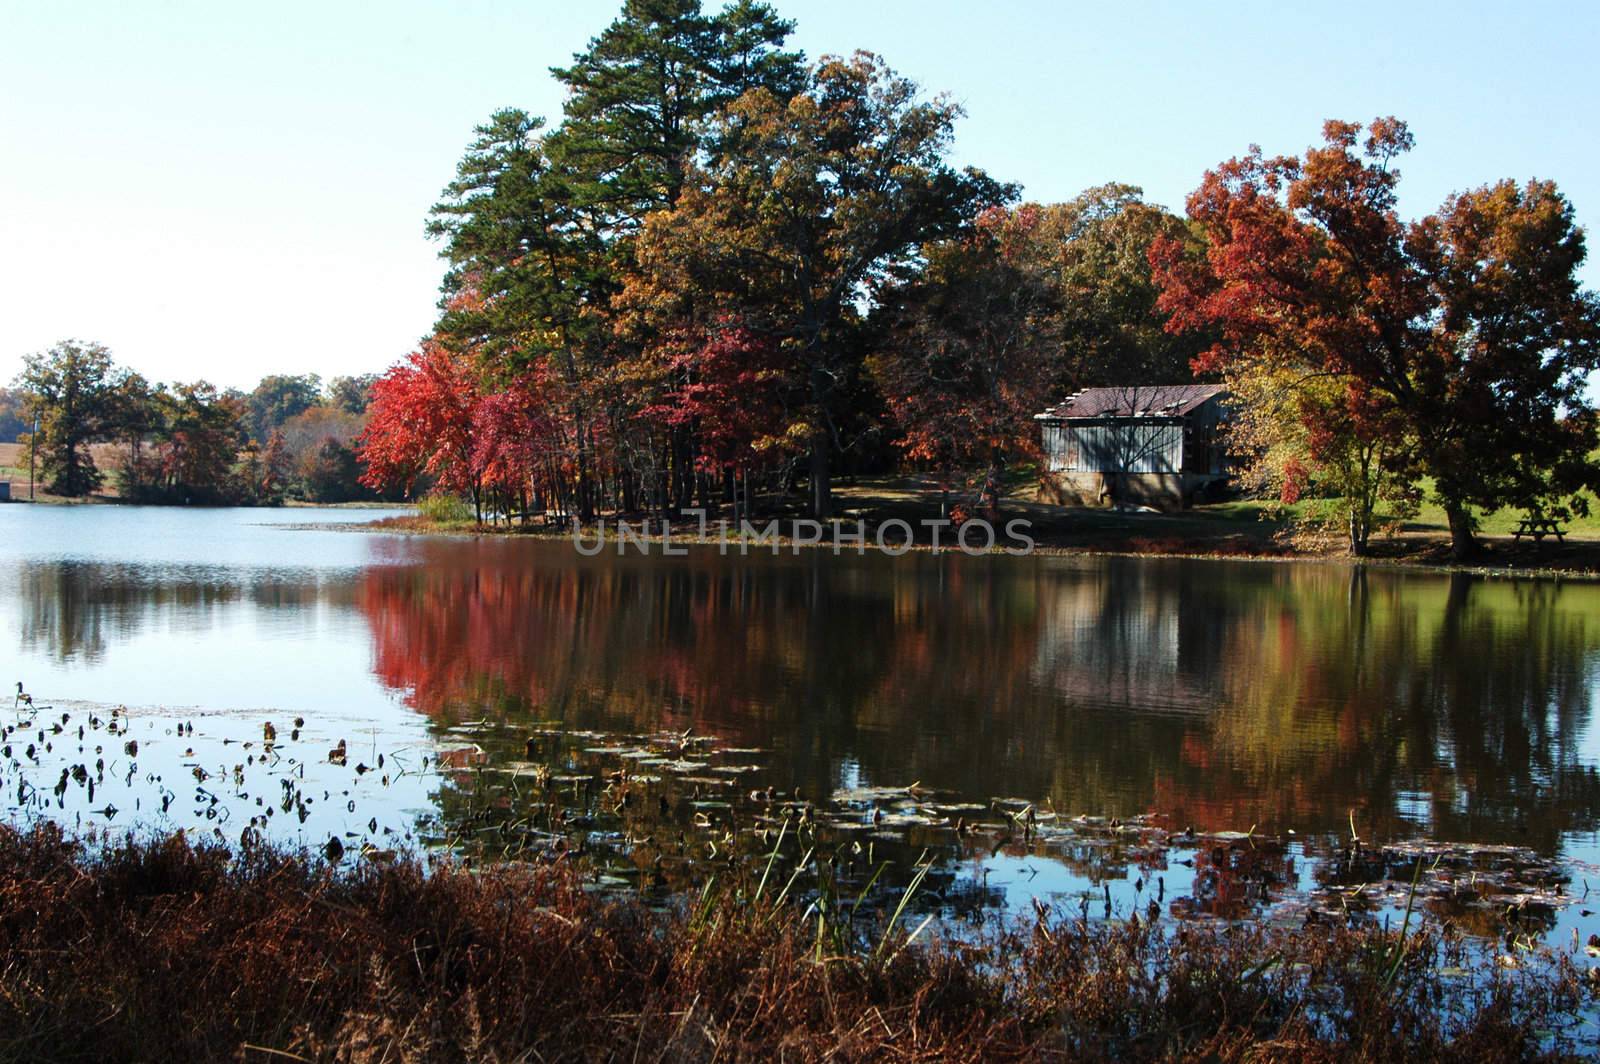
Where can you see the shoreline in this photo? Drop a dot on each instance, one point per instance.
(1417, 553)
(1277, 554)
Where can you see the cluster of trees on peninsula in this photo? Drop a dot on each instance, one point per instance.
(727, 268)
(289, 437)
(726, 264)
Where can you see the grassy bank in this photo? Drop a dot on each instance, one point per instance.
(1238, 529)
(162, 950)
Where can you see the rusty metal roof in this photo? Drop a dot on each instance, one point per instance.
(1148, 400)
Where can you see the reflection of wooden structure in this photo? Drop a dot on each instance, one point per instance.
(1126, 639)
(1155, 445)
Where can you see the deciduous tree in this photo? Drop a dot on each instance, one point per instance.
(13, 415)
(1110, 331)
(811, 202)
(276, 468)
(203, 435)
(421, 422)
(351, 394)
(727, 383)
(72, 389)
(1311, 440)
(1467, 333)
(969, 341)
(279, 397)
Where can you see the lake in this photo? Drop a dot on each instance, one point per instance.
(1044, 727)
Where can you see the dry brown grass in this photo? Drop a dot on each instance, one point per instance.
(14, 467)
(164, 950)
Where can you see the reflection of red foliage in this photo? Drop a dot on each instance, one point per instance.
(470, 634)
(1232, 880)
(936, 670)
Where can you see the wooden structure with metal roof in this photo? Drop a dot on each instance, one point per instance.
(1149, 445)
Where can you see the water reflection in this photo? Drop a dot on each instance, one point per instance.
(219, 610)
(1227, 695)
(72, 610)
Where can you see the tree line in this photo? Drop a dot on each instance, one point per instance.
(728, 267)
(728, 272)
(289, 437)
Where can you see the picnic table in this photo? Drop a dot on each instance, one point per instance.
(559, 521)
(1538, 528)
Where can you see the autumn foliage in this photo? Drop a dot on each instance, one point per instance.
(970, 343)
(1457, 346)
(724, 265)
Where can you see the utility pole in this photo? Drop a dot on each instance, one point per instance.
(33, 450)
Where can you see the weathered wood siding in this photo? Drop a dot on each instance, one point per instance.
(1114, 446)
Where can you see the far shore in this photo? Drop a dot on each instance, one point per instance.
(1242, 530)
(1236, 531)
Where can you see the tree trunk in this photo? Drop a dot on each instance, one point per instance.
(683, 468)
(1359, 531)
(821, 484)
(1462, 544)
(585, 498)
(990, 495)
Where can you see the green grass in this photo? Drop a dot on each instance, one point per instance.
(449, 510)
(1504, 522)
(1430, 517)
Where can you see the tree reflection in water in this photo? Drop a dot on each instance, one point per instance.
(1221, 695)
(1224, 694)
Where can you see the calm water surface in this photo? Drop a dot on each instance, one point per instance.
(1221, 695)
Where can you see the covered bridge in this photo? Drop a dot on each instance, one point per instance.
(1151, 445)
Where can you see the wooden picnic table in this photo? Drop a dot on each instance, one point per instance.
(1538, 528)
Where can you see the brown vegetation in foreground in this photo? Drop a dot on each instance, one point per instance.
(165, 950)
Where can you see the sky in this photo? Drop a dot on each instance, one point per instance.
(221, 190)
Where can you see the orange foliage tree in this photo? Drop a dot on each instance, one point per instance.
(969, 340)
(1465, 336)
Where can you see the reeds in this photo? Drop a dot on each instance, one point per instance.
(166, 950)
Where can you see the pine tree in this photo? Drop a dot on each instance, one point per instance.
(642, 93)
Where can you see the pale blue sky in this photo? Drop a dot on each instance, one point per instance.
(222, 190)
